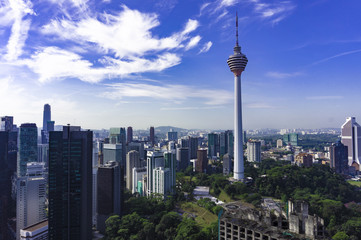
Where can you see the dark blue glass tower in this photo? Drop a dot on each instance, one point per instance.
(28, 147)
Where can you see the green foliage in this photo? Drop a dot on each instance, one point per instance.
(167, 227)
(340, 236)
(187, 230)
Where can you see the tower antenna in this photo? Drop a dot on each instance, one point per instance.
(236, 28)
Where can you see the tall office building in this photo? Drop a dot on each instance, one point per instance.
(227, 164)
(254, 151)
(70, 184)
(31, 196)
(129, 134)
(6, 123)
(213, 144)
(109, 193)
(151, 136)
(170, 162)
(193, 147)
(202, 160)
(5, 183)
(137, 146)
(138, 176)
(230, 146)
(291, 139)
(133, 161)
(339, 157)
(351, 137)
(118, 136)
(172, 136)
(182, 156)
(46, 116)
(154, 160)
(222, 143)
(113, 152)
(161, 181)
(28, 147)
(237, 63)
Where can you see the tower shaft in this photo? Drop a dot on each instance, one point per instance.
(238, 140)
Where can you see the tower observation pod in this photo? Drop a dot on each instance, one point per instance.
(237, 63)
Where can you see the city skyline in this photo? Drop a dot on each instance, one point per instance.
(105, 64)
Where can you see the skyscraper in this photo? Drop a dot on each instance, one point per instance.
(31, 194)
(182, 158)
(5, 183)
(237, 63)
(46, 116)
(202, 160)
(254, 151)
(109, 193)
(154, 160)
(6, 123)
(161, 181)
(339, 157)
(170, 162)
(129, 134)
(351, 137)
(28, 147)
(213, 144)
(151, 135)
(133, 161)
(70, 184)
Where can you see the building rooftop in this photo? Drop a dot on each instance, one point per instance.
(36, 226)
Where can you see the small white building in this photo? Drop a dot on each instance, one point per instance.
(37, 231)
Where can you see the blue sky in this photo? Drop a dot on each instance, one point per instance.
(140, 63)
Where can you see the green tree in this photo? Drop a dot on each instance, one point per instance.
(341, 236)
(112, 226)
(167, 227)
(187, 230)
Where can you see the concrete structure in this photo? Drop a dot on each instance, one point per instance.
(254, 151)
(304, 159)
(138, 185)
(154, 160)
(161, 181)
(108, 193)
(70, 184)
(182, 158)
(271, 223)
(28, 147)
(351, 137)
(113, 152)
(339, 157)
(37, 231)
(279, 143)
(133, 161)
(31, 196)
(237, 63)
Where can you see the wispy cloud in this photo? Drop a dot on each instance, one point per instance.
(281, 75)
(193, 42)
(336, 56)
(173, 93)
(206, 47)
(259, 105)
(188, 108)
(324, 97)
(13, 12)
(273, 12)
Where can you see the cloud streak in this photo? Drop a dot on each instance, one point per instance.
(169, 92)
(324, 97)
(337, 56)
(282, 75)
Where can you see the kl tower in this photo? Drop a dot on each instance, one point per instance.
(237, 63)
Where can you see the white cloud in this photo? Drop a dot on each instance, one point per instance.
(281, 75)
(126, 34)
(53, 63)
(193, 42)
(13, 12)
(206, 47)
(173, 93)
(259, 105)
(273, 12)
(227, 3)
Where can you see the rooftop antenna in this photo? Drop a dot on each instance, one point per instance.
(236, 28)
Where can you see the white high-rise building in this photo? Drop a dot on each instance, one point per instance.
(279, 143)
(351, 137)
(138, 174)
(237, 63)
(154, 160)
(254, 151)
(31, 196)
(133, 161)
(161, 181)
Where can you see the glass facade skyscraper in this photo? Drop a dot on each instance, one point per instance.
(28, 147)
(70, 184)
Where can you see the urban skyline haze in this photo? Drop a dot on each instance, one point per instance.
(102, 64)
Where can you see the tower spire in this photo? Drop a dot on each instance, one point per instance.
(236, 28)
